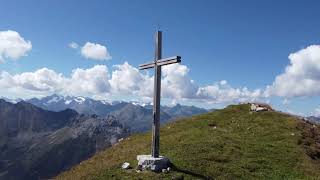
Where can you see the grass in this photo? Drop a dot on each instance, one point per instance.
(232, 143)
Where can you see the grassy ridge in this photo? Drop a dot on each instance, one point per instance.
(232, 143)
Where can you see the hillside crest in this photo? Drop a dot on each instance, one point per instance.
(230, 143)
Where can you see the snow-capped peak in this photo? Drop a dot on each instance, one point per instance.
(55, 99)
(80, 99)
(68, 101)
(105, 102)
(143, 104)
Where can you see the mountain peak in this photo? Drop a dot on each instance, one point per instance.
(80, 99)
(3, 101)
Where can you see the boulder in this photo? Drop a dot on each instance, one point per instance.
(257, 107)
(125, 165)
(147, 162)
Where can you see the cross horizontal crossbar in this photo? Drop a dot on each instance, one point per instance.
(161, 62)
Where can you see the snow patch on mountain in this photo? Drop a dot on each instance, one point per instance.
(105, 102)
(136, 103)
(67, 102)
(80, 99)
(55, 99)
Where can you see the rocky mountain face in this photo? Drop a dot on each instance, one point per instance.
(134, 115)
(38, 144)
(313, 119)
(137, 118)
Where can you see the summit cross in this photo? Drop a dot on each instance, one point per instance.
(156, 64)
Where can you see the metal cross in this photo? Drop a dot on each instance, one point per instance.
(156, 64)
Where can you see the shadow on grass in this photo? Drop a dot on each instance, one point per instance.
(194, 174)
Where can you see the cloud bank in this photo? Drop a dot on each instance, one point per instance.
(13, 46)
(124, 80)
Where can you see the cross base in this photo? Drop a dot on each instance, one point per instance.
(147, 162)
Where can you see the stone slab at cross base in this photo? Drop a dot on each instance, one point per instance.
(147, 162)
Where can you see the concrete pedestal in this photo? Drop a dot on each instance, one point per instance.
(147, 162)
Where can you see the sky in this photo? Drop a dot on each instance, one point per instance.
(232, 51)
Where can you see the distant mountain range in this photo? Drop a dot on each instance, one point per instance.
(134, 115)
(42, 137)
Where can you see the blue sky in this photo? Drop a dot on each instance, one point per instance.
(246, 43)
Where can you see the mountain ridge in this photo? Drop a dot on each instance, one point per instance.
(32, 137)
(134, 115)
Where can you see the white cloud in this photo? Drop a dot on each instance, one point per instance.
(95, 51)
(41, 80)
(124, 80)
(12, 45)
(223, 82)
(127, 79)
(73, 45)
(222, 92)
(177, 86)
(176, 83)
(88, 82)
(31, 84)
(316, 112)
(301, 76)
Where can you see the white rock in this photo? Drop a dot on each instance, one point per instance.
(147, 162)
(125, 165)
(253, 107)
(260, 109)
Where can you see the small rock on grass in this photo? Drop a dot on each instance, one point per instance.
(164, 170)
(126, 165)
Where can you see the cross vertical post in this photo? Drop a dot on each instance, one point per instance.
(156, 98)
(155, 162)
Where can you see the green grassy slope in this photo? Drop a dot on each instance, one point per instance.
(232, 143)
